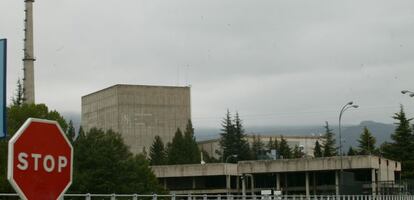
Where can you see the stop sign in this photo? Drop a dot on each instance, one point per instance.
(40, 160)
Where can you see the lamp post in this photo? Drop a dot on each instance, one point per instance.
(409, 93)
(343, 109)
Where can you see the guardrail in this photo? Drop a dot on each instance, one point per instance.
(221, 197)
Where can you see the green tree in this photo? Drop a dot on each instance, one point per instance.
(402, 146)
(273, 144)
(18, 99)
(329, 142)
(284, 150)
(157, 153)
(104, 164)
(70, 132)
(139, 177)
(297, 152)
(317, 151)
(241, 142)
(352, 152)
(270, 145)
(176, 150)
(184, 149)
(258, 147)
(367, 143)
(227, 137)
(17, 115)
(192, 154)
(276, 146)
(233, 140)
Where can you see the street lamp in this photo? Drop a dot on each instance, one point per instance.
(411, 94)
(344, 108)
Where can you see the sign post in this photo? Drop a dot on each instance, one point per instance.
(40, 160)
(3, 64)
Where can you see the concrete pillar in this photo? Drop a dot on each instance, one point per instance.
(165, 183)
(373, 182)
(244, 187)
(307, 185)
(238, 183)
(286, 184)
(278, 182)
(228, 181)
(336, 182)
(194, 183)
(314, 183)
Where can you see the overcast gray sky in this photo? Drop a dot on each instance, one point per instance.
(276, 62)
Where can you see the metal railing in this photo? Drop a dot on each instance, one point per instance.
(221, 197)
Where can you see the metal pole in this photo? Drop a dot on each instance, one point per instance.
(340, 145)
(344, 108)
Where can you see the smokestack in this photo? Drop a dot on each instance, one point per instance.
(28, 59)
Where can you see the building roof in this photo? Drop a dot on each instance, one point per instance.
(128, 85)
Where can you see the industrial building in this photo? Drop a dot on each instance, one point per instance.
(138, 112)
(306, 143)
(306, 176)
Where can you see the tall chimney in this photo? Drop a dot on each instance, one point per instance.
(28, 59)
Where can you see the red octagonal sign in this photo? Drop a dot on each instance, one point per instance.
(40, 160)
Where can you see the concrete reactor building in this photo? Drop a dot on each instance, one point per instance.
(138, 112)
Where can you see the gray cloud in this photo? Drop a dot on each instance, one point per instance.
(276, 62)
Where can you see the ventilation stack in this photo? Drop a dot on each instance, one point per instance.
(28, 59)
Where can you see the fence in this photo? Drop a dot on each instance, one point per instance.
(221, 197)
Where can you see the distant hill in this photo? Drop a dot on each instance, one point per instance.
(350, 133)
(382, 132)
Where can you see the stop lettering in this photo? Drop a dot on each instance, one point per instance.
(40, 160)
(48, 162)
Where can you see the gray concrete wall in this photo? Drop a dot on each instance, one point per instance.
(313, 164)
(387, 168)
(213, 169)
(100, 110)
(138, 112)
